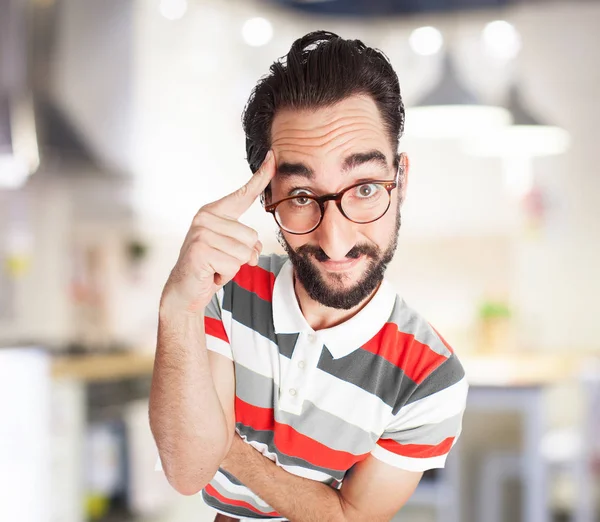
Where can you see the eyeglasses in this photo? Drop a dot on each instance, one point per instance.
(361, 203)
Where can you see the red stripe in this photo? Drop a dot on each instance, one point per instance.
(215, 328)
(415, 359)
(231, 502)
(291, 442)
(417, 451)
(295, 444)
(254, 416)
(256, 279)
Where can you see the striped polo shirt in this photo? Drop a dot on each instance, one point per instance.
(383, 383)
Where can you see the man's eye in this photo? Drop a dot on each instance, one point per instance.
(367, 190)
(302, 201)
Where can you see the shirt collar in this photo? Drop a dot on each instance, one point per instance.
(342, 339)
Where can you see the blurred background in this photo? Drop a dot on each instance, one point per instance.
(120, 118)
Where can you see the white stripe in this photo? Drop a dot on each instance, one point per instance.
(214, 344)
(254, 351)
(239, 490)
(348, 402)
(408, 463)
(442, 405)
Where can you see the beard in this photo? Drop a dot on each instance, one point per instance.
(309, 276)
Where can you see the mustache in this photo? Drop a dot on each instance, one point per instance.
(356, 251)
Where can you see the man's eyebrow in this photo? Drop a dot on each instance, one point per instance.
(360, 158)
(294, 169)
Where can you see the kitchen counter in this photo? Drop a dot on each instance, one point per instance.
(515, 369)
(102, 367)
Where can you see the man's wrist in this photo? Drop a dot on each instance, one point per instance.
(171, 311)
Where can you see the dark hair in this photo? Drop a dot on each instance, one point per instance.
(320, 70)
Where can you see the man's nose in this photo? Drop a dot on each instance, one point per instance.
(336, 234)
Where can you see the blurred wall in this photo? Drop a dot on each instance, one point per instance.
(163, 99)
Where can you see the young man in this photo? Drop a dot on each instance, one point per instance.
(301, 387)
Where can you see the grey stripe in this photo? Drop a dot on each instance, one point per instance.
(257, 314)
(329, 430)
(254, 388)
(431, 434)
(230, 477)
(266, 437)
(286, 343)
(412, 323)
(250, 310)
(448, 374)
(232, 510)
(372, 373)
(236, 496)
(272, 262)
(213, 309)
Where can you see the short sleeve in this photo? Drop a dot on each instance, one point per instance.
(422, 433)
(216, 335)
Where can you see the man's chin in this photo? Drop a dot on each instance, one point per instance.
(337, 288)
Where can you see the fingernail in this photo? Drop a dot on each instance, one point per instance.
(269, 156)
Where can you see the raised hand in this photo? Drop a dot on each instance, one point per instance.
(217, 245)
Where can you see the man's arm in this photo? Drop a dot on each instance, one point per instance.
(192, 395)
(191, 403)
(372, 490)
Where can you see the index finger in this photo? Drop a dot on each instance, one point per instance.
(235, 204)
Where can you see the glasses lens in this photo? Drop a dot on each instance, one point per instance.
(366, 203)
(298, 215)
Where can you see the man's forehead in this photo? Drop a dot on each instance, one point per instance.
(349, 133)
(352, 110)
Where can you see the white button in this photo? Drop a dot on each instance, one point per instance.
(312, 338)
(301, 365)
(292, 392)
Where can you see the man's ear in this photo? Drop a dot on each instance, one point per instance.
(404, 163)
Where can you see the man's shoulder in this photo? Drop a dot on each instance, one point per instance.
(412, 327)
(427, 361)
(413, 344)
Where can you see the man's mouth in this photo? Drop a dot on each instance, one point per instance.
(340, 266)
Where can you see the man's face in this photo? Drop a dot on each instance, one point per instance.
(324, 151)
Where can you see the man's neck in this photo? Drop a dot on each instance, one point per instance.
(319, 316)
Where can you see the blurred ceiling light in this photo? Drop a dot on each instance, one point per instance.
(257, 31)
(517, 144)
(19, 154)
(450, 111)
(426, 41)
(173, 9)
(501, 40)
(527, 136)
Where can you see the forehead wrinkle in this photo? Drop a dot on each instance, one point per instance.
(351, 132)
(342, 140)
(300, 133)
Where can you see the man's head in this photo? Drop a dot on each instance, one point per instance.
(332, 113)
